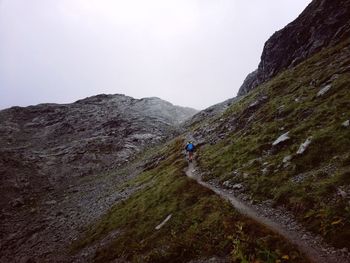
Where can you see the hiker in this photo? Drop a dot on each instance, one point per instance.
(190, 149)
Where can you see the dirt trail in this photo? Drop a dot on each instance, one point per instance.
(312, 250)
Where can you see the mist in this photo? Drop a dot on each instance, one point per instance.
(191, 53)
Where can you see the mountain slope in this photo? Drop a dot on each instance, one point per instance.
(90, 135)
(55, 162)
(173, 219)
(288, 141)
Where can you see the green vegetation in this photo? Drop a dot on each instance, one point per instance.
(246, 154)
(202, 225)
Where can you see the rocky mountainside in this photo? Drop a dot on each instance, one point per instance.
(52, 149)
(323, 23)
(46, 144)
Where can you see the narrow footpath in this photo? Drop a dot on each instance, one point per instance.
(314, 251)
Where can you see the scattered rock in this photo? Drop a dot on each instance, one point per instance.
(237, 186)
(324, 90)
(51, 202)
(236, 173)
(299, 178)
(227, 184)
(344, 250)
(304, 146)
(287, 159)
(164, 222)
(284, 137)
(346, 124)
(265, 171)
(342, 193)
(17, 202)
(257, 102)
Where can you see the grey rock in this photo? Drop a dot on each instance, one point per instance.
(237, 186)
(342, 193)
(282, 138)
(304, 146)
(324, 90)
(265, 171)
(346, 124)
(17, 202)
(227, 184)
(249, 82)
(287, 159)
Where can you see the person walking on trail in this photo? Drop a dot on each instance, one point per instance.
(190, 149)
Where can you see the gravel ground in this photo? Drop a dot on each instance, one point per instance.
(44, 233)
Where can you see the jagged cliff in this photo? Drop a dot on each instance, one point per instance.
(322, 24)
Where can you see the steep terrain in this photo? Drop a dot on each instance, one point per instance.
(322, 24)
(287, 142)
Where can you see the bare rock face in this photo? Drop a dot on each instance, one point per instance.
(43, 146)
(323, 23)
(250, 81)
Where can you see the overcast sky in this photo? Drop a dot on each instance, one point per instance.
(190, 52)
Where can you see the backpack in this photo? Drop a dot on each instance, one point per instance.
(190, 147)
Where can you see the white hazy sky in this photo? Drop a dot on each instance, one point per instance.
(190, 52)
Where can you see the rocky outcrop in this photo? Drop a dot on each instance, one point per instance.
(323, 23)
(249, 82)
(210, 112)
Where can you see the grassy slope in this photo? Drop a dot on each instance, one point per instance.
(292, 105)
(202, 225)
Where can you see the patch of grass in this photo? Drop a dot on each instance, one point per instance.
(202, 225)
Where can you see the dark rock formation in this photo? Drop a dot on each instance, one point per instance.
(323, 23)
